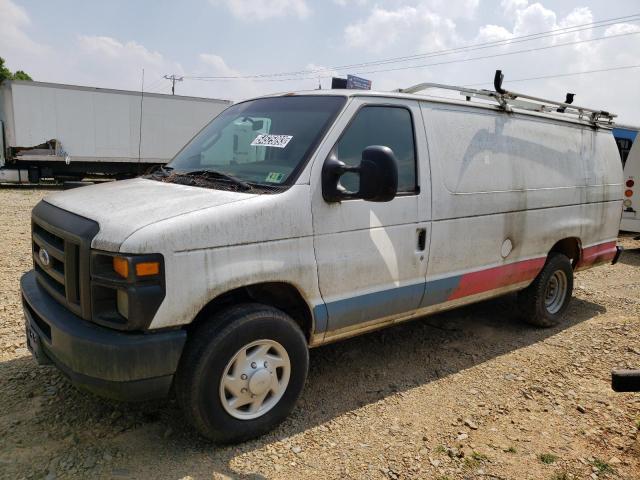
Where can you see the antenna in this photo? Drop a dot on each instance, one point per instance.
(568, 101)
(173, 79)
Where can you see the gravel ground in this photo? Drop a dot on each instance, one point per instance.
(471, 393)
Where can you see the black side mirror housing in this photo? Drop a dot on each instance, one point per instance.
(378, 173)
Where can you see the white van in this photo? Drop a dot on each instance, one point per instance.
(343, 212)
(631, 203)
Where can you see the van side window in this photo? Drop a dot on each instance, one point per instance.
(380, 125)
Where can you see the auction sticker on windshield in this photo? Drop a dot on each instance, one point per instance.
(266, 140)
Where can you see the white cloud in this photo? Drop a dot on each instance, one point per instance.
(250, 10)
(15, 42)
(388, 29)
(112, 48)
(109, 62)
(410, 27)
(344, 3)
(511, 6)
(615, 90)
(492, 33)
(534, 18)
(452, 8)
(213, 65)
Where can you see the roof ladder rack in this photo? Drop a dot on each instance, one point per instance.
(507, 100)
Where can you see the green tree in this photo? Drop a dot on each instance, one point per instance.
(21, 75)
(5, 73)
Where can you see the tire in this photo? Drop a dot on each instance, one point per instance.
(538, 304)
(214, 348)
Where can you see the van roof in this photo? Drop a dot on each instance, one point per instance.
(429, 98)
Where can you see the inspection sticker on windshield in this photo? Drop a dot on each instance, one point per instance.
(266, 140)
(275, 177)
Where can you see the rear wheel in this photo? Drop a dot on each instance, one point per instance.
(242, 372)
(545, 301)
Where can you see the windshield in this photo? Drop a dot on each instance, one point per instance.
(265, 141)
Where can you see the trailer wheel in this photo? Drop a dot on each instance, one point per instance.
(242, 372)
(545, 301)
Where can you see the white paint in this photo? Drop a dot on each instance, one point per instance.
(484, 177)
(363, 247)
(96, 124)
(630, 215)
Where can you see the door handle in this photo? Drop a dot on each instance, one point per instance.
(422, 239)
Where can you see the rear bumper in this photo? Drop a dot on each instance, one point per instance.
(110, 363)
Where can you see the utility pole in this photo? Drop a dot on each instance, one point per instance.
(173, 79)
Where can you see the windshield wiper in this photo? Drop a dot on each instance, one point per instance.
(158, 170)
(217, 175)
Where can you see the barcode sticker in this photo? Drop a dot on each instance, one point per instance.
(266, 140)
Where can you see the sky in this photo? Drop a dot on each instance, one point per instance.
(107, 43)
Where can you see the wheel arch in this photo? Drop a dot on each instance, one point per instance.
(571, 247)
(281, 295)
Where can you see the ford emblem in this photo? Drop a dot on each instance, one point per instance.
(44, 257)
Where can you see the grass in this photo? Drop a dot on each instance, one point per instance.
(548, 458)
(470, 463)
(479, 457)
(440, 449)
(602, 466)
(475, 460)
(511, 450)
(561, 476)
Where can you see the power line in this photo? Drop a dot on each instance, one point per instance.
(558, 75)
(479, 46)
(446, 62)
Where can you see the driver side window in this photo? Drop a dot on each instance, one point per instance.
(380, 125)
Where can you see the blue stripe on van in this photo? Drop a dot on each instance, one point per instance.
(439, 291)
(355, 310)
(363, 308)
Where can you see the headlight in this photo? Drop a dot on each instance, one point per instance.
(126, 289)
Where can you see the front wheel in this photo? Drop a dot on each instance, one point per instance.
(545, 301)
(242, 372)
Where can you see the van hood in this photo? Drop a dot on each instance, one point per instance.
(124, 207)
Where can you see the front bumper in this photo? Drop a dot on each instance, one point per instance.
(110, 363)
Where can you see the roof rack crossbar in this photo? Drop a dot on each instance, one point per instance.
(507, 100)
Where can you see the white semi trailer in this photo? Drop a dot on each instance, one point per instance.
(67, 132)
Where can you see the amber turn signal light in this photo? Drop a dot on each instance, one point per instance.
(628, 193)
(144, 269)
(121, 266)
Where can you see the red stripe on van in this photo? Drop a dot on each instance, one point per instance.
(601, 253)
(497, 277)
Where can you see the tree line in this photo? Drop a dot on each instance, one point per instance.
(5, 73)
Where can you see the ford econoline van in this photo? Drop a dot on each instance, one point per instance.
(295, 220)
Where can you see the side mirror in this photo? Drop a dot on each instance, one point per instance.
(378, 173)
